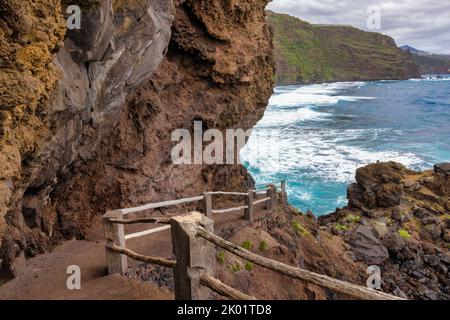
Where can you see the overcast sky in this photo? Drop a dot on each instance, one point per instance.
(423, 24)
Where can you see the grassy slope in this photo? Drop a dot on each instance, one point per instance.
(307, 53)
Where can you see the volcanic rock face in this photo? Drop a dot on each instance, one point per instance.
(61, 98)
(29, 33)
(225, 83)
(86, 119)
(399, 219)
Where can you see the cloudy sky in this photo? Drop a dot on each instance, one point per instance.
(423, 24)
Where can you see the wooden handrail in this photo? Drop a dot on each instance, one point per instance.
(114, 221)
(146, 232)
(139, 257)
(229, 209)
(225, 193)
(261, 200)
(161, 220)
(335, 285)
(224, 290)
(242, 207)
(170, 203)
(160, 205)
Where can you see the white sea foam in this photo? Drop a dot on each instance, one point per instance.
(318, 159)
(317, 95)
(432, 78)
(305, 196)
(283, 117)
(320, 153)
(327, 154)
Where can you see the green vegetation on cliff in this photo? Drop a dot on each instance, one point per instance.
(307, 53)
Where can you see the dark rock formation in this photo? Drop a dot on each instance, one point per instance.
(442, 168)
(407, 213)
(367, 246)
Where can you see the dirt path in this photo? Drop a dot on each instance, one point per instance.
(45, 276)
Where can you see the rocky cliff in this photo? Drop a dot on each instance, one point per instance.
(399, 219)
(307, 53)
(86, 115)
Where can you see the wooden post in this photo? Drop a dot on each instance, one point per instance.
(195, 256)
(114, 234)
(207, 204)
(272, 194)
(284, 200)
(248, 212)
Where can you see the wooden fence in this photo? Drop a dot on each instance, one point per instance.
(114, 221)
(194, 246)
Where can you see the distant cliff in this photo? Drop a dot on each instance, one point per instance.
(429, 63)
(307, 53)
(433, 64)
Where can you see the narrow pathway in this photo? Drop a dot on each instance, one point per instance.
(44, 276)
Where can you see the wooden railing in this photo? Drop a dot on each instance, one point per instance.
(194, 245)
(114, 221)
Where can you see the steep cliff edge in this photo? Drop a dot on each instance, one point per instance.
(89, 129)
(307, 53)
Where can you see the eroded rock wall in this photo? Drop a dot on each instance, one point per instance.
(30, 32)
(222, 80)
(125, 83)
(62, 92)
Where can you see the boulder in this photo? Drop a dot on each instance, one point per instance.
(389, 195)
(355, 196)
(446, 236)
(442, 168)
(399, 293)
(367, 246)
(396, 214)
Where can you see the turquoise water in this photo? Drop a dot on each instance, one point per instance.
(315, 137)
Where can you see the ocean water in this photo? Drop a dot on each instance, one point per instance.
(316, 136)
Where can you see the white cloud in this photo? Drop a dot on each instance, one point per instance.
(424, 24)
